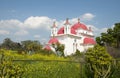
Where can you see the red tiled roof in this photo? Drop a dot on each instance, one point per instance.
(53, 41)
(73, 31)
(47, 47)
(79, 25)
(61, 31)
(89, 41)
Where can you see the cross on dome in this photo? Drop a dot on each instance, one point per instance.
(78, 20)
(90, 29)
(54, 25)
(67, 21)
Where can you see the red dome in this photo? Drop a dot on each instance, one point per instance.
(89, 41)
(47, 47)
(79, 25)
(61, 31)
(53, 41)
(73, 31)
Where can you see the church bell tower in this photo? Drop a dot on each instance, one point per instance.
(54, 30)
(67, 27)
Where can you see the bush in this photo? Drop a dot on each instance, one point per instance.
(28, 66)
(99, 63)
(43, 69)
(7, 68)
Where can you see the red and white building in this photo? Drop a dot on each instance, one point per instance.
(74, 37)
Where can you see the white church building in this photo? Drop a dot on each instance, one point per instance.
(74, 37)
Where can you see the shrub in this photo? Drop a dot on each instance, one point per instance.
(7, 68)
(99, 62)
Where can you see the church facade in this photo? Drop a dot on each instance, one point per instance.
(74, 37)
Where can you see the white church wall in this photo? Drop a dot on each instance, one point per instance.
(80, 48)
(61, 39)
(79, 31)
(79, 44)
(69, 48)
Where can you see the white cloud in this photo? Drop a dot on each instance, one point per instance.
(32, 25)
(97, 31)
(36, 36)
(4, 32)
(73, 20)
(93, 27)
(21, 33)
(38, 22)
(104, 30)
(10, 24)
(87, 16)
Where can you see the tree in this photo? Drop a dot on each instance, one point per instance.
(99, 62)
(111, 37)
(107, 38)
(7, 43)
(59, 49)
(10, 45)
(116, 30)
(99, 41)
(31, 46)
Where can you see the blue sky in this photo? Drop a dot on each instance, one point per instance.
(31, 19)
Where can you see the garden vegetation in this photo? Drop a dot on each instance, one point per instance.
(28, 59)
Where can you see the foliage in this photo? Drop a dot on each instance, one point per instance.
(50, 69)
(27, 46)
(117, 34)
(111, 37)
(10, 45)
(99, 62)
(31, 46)
(78, 56)
(7, 68)
(45, 52)
(59, 49)
(39, 66)
(116, 70)
(111, 40)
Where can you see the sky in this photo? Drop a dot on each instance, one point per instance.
(32, 19)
